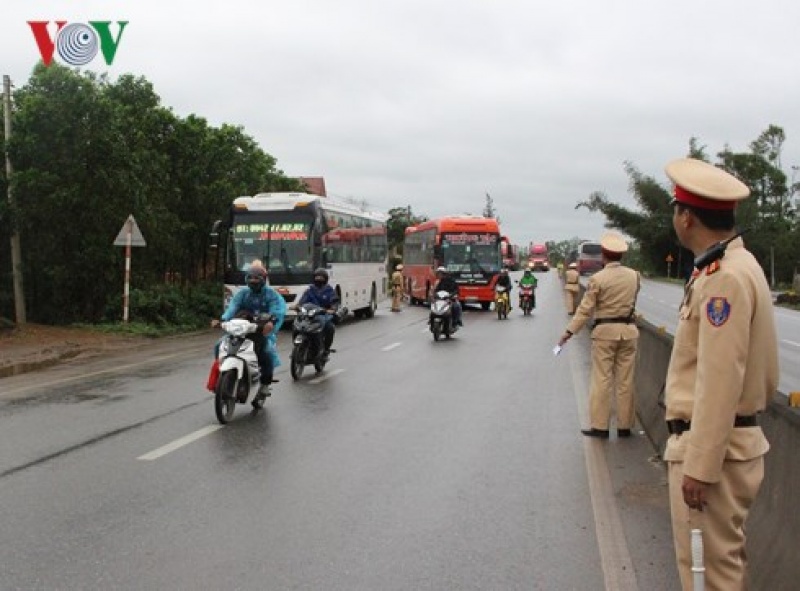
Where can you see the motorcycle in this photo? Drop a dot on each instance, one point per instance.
(441, 316)
(308, 347)
(527, 299)
(238, 366)
(501, 303)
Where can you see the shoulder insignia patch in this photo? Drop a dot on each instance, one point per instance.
(695, 272)
(712, 268)
(718, 310)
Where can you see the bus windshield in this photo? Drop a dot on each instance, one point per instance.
(466, 253)
(281, 240)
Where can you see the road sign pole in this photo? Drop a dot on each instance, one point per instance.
(126, 296)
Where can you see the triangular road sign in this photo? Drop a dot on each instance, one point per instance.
(136, 234)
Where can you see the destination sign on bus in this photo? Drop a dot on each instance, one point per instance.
(472, 239)
(287, 231)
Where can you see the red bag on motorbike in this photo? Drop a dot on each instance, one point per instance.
(213, 376)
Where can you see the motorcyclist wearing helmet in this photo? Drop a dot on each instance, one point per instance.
(324, 296)
(505, 280)
(528, 279)
(259, 300)
(446, 283)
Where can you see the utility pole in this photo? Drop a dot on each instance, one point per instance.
(16, 253)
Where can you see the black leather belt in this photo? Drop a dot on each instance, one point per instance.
(678, 426)
(617, 320)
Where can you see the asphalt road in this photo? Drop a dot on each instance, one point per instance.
(407, 464)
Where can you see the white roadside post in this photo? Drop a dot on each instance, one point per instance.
(130, 235)
(698, 570)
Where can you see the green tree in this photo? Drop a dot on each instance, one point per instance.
(770, 214)
(400, 218)
(87, 153)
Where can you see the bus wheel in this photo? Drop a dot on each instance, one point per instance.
(369, 312)
(486, 305)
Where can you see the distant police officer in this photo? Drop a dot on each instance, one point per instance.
(611, 297)
(397, 288)
(722, 373)
(571, 287)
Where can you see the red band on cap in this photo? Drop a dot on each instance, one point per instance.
(689, 198)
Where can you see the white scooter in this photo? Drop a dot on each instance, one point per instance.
(238, 367)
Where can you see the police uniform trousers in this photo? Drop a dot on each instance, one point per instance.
(397, 297)
(570, 297)
(721, 521)
(613, 363)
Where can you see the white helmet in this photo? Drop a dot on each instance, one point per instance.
(441, 270)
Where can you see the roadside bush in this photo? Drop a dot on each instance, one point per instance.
(171, 306)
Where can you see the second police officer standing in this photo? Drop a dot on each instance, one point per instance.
(611, 297)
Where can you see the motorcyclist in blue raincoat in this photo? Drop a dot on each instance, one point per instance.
(259, 300)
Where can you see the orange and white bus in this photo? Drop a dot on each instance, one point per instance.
(467, 246)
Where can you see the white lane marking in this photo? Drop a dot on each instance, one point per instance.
(179, 443)
(792, 343)
(325, 376)
(392, 346)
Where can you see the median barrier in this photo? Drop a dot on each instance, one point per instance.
(773, 527)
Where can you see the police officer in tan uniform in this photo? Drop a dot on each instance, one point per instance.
(397, 288)
(611, 297)
(722, 373)
(571, 287)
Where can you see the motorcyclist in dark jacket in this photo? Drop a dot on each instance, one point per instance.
(324, 296)
(446, 283)
(504, 279)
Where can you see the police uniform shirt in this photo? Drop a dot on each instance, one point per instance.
(610, 293)
(724, 363)
(572, 279)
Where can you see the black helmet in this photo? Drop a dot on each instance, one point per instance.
(321, 273)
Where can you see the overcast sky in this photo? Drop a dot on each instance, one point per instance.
(434, 103)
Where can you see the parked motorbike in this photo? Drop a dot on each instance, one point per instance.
(308, 347)
(441, 316)
(527, 299)
(238, 366)
(501, 303)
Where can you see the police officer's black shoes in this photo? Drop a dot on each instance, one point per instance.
(623, 432)
(601, 433)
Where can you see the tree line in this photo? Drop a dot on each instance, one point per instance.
(769, 215)
(86, 153)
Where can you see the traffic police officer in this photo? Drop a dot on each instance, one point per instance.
(722, 373)
(611, 297)
(397, 288)
(571, 287)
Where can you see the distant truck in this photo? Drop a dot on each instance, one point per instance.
(538, 258)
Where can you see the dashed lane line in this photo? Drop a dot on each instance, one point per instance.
(179, 443)
(390, 347)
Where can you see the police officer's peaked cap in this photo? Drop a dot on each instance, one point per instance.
(700, 184)
(613, 242)
(573, 265)
(399, 267)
